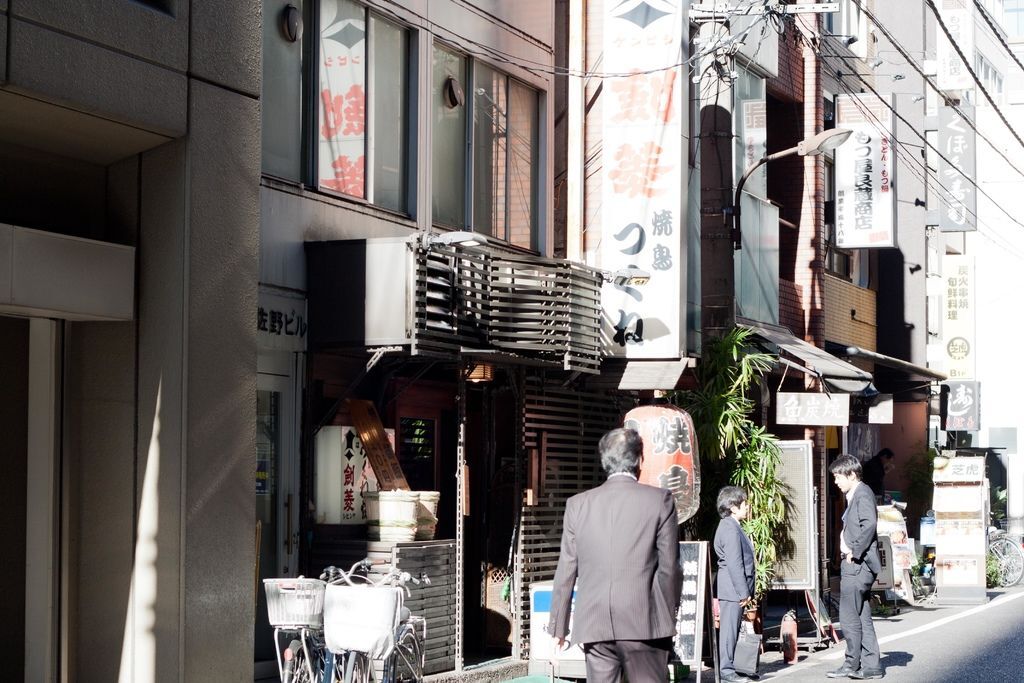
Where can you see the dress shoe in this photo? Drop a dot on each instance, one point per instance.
(733, 678)
(867, 673)
(749, 677)
(845, 671)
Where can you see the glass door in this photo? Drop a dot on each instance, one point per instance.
(277, 500)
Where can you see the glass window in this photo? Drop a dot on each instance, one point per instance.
(503, 152)
(281, 101)
(750, 121)
(448, 164)
(524, 165)
(359, 97)
(490, 150)
(1013, 17)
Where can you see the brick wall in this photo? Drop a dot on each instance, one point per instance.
(791, 307)
(840, 326)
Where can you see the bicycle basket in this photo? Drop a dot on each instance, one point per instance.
(362, 618)
(295, 602)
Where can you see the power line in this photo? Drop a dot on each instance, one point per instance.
(998, 34)
(924, 139)
(948, 102)
(970, 70)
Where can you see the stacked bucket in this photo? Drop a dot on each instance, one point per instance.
(401, 516)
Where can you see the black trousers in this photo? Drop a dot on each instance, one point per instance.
(730, 615)
(643, 661)
(855, 616)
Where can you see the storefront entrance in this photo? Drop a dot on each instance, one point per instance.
(277, 493)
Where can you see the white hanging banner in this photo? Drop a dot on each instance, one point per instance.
(958, 316)
(957, 15)
(643, 173)
(865, 201)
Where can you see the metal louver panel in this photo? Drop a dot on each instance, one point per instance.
(477, 298)
(562, 425)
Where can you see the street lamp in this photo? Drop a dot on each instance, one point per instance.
(822, 142)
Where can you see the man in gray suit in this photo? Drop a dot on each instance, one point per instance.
(620, 548)
(859, 547)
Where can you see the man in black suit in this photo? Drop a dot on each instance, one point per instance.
(861, 564)
(620, 548)
(735, 576)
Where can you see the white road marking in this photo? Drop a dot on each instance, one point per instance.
(814, 661)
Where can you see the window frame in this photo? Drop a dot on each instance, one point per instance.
(410, 113)
(469, 222)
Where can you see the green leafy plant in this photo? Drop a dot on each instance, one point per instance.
(734, 450)
(991, 571)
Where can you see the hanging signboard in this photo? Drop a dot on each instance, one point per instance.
(643, 177)
(958, 316)
(795, 408)
(670, 454)
(952, 72)
(865, 201)
(959, 196)
(876, 410)
(963, 407)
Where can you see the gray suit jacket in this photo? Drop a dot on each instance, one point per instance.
(735, 561)
(620, 548)
(860, 531)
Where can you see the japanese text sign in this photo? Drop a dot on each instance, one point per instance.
(643, 177)
(957, 168)
(963, 407)
(960, 469)
(952, 72)
(865, 201)
(793, 408)
(958, 316)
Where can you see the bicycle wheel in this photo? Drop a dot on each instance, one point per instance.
(1011, 561)
(356, 667)
(405, 663)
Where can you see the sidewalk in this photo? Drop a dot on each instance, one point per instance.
(812, 666)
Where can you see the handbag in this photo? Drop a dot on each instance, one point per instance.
(748, 652)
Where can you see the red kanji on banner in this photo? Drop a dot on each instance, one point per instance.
(348, 176)
(637, 171)
(645, 97)
(344, 114)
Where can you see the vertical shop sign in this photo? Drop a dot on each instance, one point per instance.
(957, 16)
(963, 407)
(959, 200)
(958, 316)
(865, 201)
(642, 217)
(670, 454)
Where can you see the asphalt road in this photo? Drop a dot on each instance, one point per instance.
(931, 645)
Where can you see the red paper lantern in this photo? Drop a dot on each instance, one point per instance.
(670, 453)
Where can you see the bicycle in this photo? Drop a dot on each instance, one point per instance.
(295, 607)
(366, 620)
(1009, 555)
(341, 622)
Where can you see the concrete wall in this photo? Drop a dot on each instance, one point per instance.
(158, 515)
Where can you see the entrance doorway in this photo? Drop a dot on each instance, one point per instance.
(277, 493)
(30, 352)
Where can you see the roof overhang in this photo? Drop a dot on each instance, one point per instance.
(837, 374)
(909, 368)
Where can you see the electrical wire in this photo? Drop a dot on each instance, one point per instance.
(948, 102)
(928, 144)
(974, 75)
(998, 34)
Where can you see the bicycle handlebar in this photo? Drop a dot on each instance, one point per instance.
(394, 576)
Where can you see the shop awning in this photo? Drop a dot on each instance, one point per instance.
(911, 369)
(836, 373)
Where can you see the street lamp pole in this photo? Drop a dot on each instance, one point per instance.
(825, 141)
